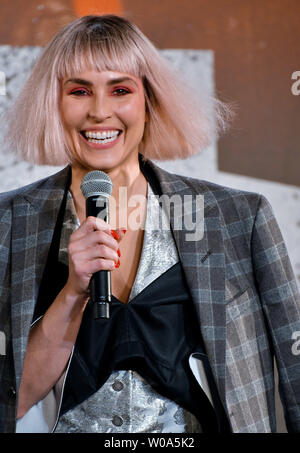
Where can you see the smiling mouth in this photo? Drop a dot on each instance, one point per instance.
(100, 138)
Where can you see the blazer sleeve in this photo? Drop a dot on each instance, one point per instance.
(280, 299)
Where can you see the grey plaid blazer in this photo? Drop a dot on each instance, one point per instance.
(240, 278)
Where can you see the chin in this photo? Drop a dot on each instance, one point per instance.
(105, 161)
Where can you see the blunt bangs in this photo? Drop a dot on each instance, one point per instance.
(101, 49)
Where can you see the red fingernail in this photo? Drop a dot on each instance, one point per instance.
(118, 252)
(117, 264)
(115, 234)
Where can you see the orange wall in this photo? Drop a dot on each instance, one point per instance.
(256, 46)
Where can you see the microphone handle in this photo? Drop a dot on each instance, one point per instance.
(100, 284)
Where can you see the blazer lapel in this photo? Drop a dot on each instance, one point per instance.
(203, 262)
(33, 222)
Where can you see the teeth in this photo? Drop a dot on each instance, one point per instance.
(102, 135)
(102, 141)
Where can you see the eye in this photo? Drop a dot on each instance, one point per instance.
(121, 91)
(79, 92)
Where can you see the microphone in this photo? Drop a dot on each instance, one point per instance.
(96, 187)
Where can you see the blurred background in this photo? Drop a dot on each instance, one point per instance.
(243, 51)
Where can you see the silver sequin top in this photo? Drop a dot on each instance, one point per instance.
(126, 403)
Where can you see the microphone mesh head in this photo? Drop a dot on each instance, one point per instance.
(96, 183)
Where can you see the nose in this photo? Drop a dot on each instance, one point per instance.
(100, 108)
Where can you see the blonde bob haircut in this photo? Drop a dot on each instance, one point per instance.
(176, 127)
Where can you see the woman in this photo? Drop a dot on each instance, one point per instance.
(195, 320)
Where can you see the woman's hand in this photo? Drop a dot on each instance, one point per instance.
(94, 246)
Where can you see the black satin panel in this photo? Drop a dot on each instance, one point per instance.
(154, 335)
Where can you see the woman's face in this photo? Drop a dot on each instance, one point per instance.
(103, 115)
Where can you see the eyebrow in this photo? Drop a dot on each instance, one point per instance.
(110, 82)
